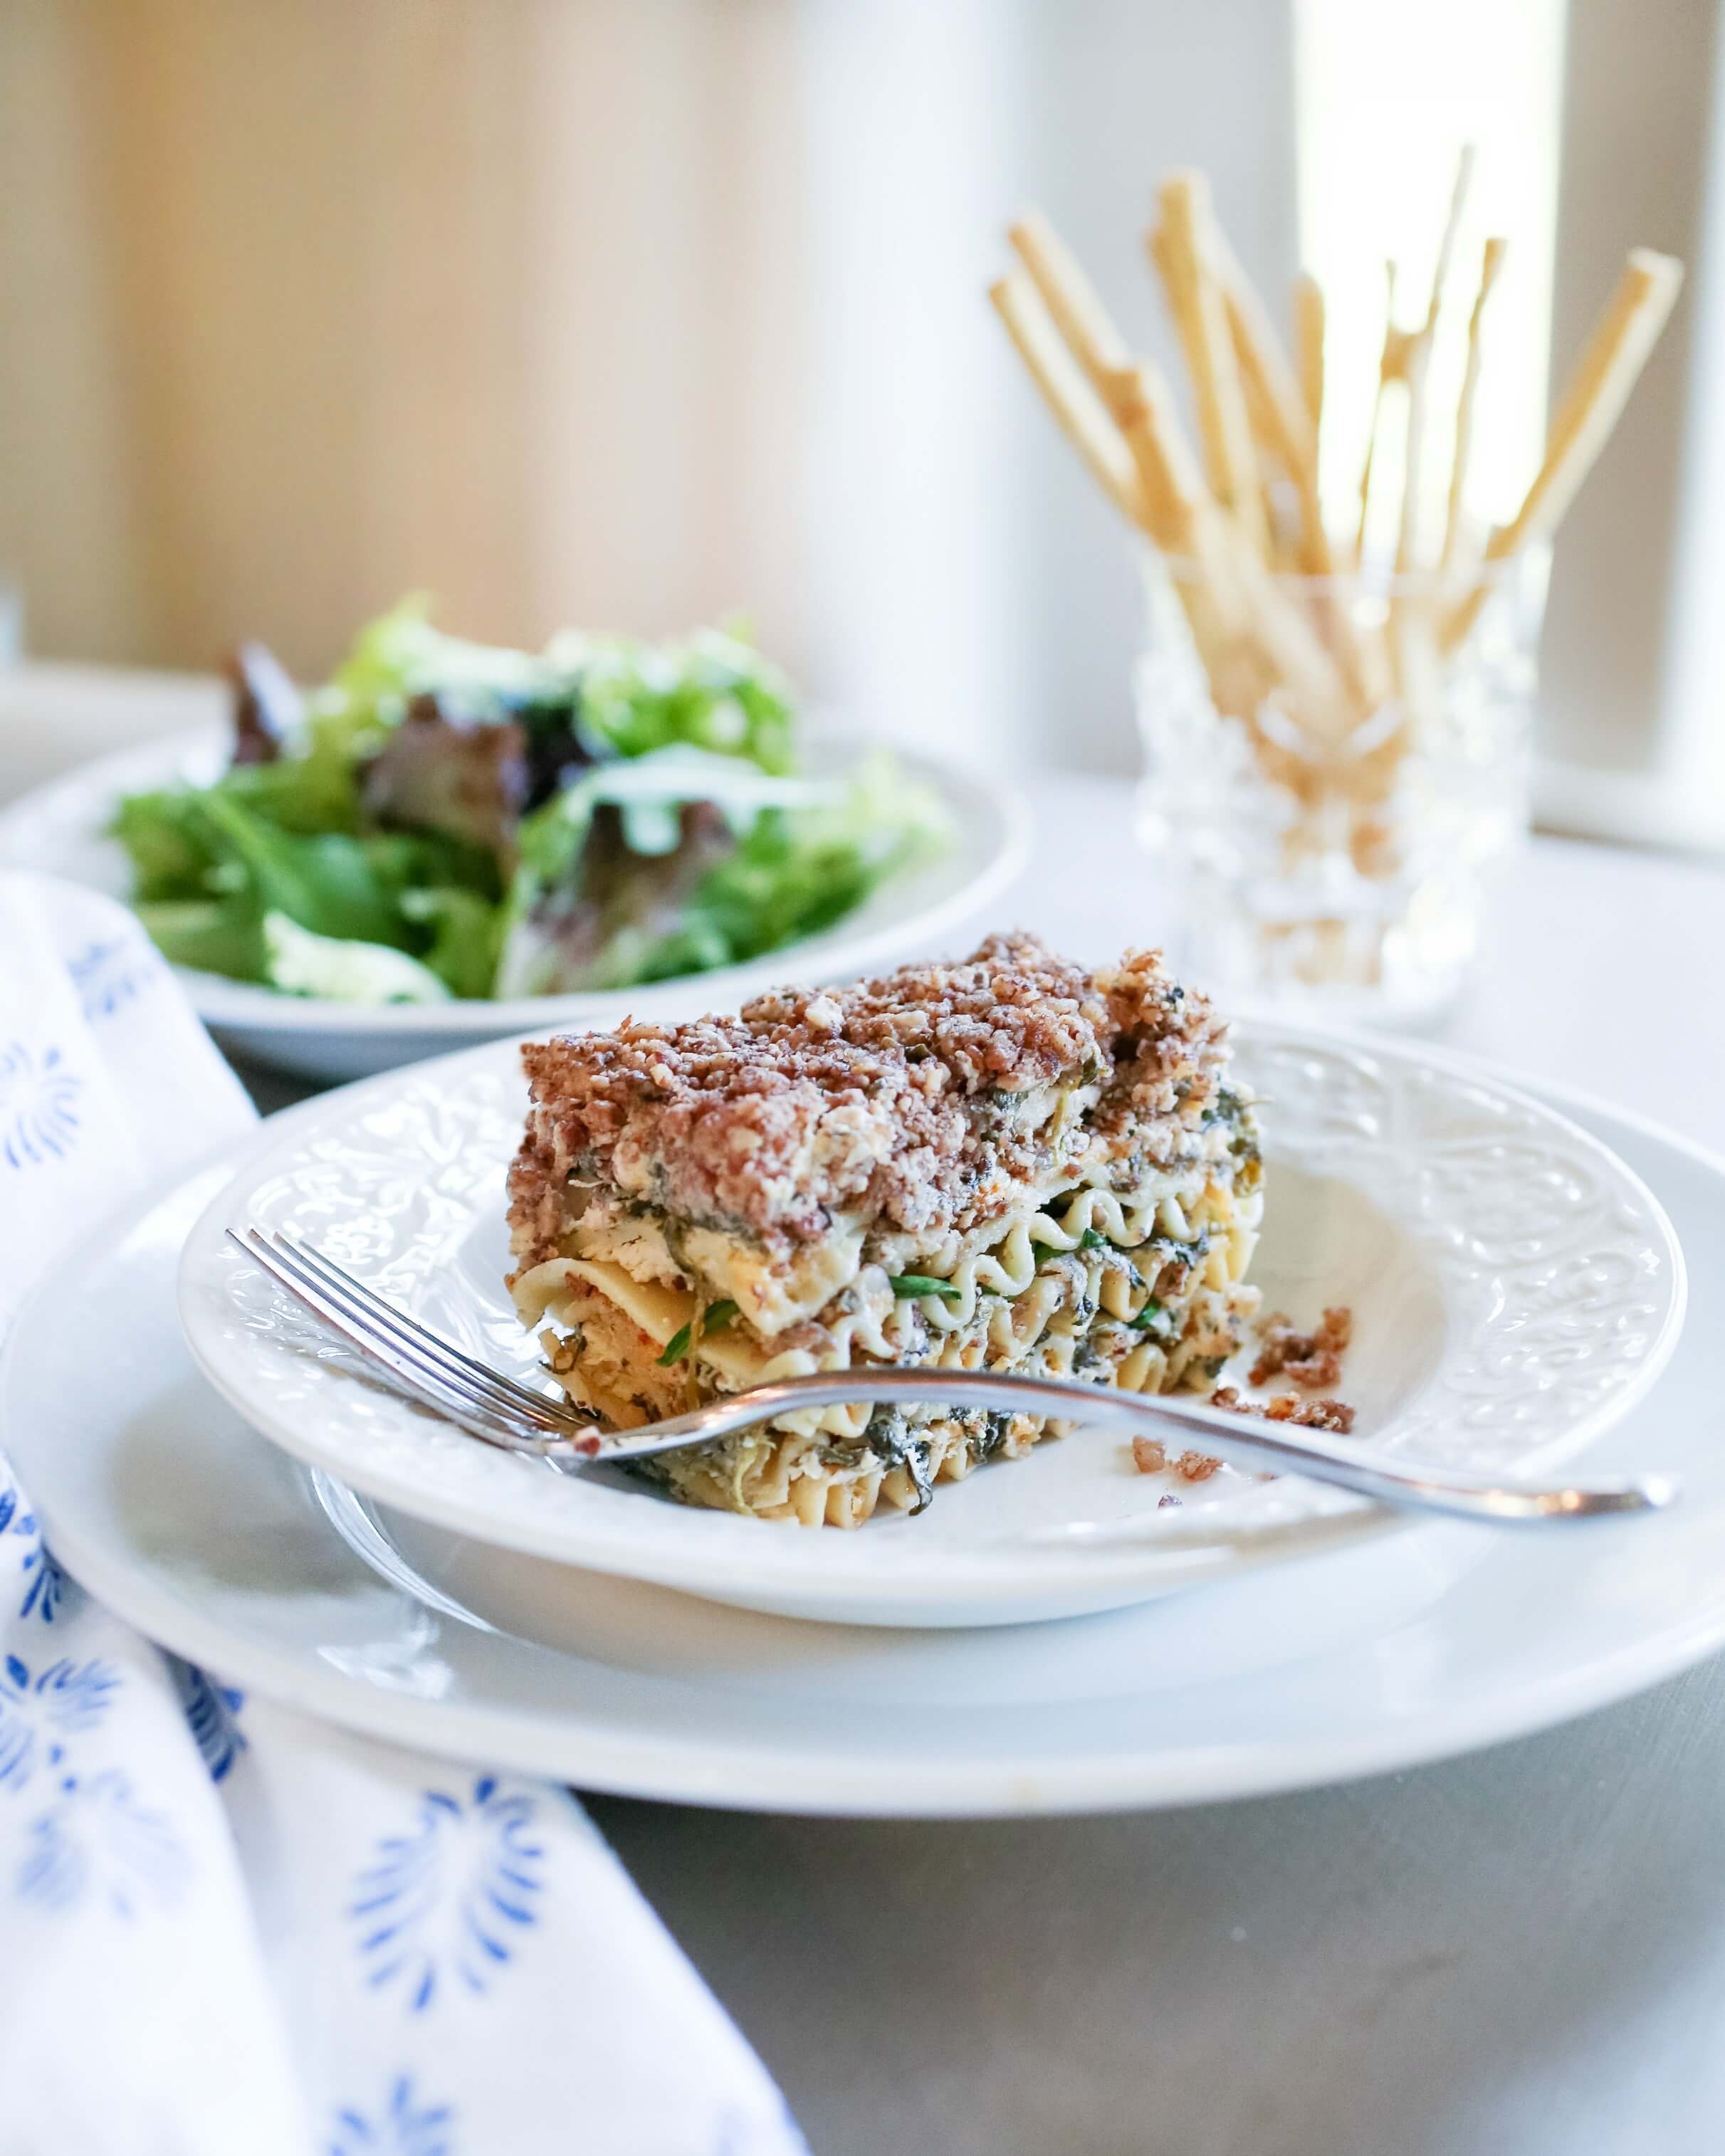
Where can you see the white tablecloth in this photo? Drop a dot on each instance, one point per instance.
(1521, 1953)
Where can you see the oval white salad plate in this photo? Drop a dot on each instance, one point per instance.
(186, 1522)
(61, 829)
(1515, 1288)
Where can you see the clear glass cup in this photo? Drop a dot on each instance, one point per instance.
(1335, 773)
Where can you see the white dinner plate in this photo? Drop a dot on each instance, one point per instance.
(1396, 1652)
(61, 829)
(1514, 1287)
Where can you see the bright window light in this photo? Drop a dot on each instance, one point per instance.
(1387, 93)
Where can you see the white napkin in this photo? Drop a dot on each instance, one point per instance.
(229, 1929)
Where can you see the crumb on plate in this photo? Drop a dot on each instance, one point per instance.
(1329, 1414)
(1150, 1457)
(1309, 1359)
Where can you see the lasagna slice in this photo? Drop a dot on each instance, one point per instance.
(1011, 1163)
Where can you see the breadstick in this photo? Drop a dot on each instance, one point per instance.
(1135, 399)
(1259, 429)
(1180, 515)
(1070, 298)
(1294, 664)
(1309, 348)
(1275, 402)
(1160, 250)
(1068, 395)
(1201, 545)
(1183, 518)
(1121, 406)
(1239, 600)
(1390, 363)
(1419, 368)
(1282, 416)
(1605, 374)
(1185, 257)
(1173, 486)
(1452, 227)
(1491, 262)
(1316, 692)
(1271, 620)
(1281, 421)
(1129, 393)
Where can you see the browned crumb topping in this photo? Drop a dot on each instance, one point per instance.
(902, 1099)
(1311, 1359)
(1335, 1415)
(1150, 1457)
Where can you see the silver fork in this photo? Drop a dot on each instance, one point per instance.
(481, 1400)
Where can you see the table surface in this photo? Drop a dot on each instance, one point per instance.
(1521, 1952)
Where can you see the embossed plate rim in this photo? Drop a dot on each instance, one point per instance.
(426, 1469)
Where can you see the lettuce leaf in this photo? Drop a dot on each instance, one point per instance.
(209, 869)
(215, 935)
(400, 655)
(805, 854)
(342, 969)
(661, 728)
(799, 870)
(466, 935)
(171, 847)
(327, 882)
(711, 691)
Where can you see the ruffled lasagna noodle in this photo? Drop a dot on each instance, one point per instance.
(1011, 1163)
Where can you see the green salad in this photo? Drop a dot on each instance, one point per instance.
(447, 818)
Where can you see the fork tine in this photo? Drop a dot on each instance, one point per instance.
(407, 1368)
(503, 1392)
(410, 1369)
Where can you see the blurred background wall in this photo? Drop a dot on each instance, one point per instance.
(308, 301)
(642, 312)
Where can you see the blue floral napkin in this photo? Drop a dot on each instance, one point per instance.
(229, 1929)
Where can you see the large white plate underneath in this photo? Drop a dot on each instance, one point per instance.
(1395, 1652)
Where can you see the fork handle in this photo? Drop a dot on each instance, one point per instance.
(1243, 1440)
